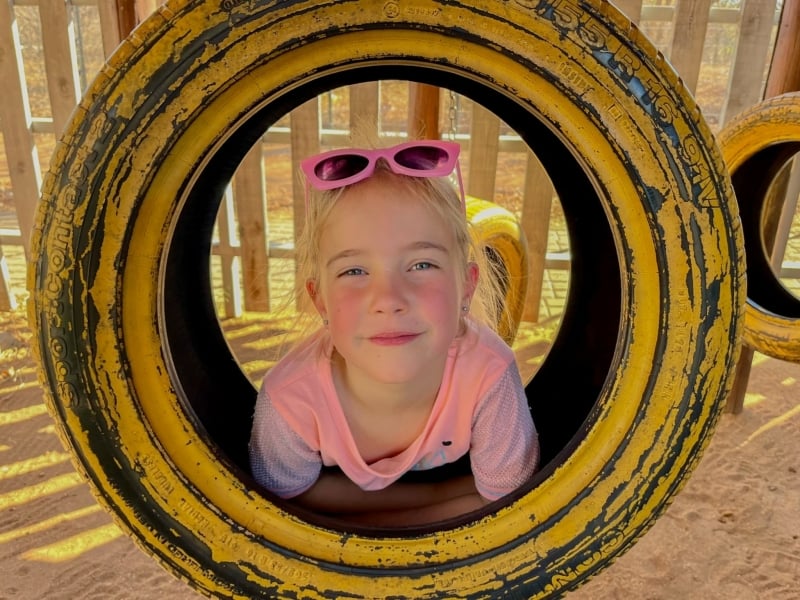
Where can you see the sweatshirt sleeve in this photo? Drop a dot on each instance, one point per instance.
(279, 458)
(504, 451)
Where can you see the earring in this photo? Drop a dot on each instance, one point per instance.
(465, 309)
(325, 322)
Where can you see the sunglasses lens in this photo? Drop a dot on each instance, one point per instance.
(422, 158)
(341, 167)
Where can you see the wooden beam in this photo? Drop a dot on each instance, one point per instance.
(364, 104)
(784, 71)
(423, 111)
(484, 146)
(631, 8)
(688, 37)
(250, 196)
(752, 51)
(126, 17)
(15, 120)
(61, 62)
(535, 223)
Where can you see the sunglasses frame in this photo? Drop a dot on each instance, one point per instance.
(452, 149)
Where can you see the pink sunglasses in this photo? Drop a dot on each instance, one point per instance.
(423, 158)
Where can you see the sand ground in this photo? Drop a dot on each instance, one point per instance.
(732, 533)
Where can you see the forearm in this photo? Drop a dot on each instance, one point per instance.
(423, 515)
(334, 493)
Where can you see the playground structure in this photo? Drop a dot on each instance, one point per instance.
(544, 579)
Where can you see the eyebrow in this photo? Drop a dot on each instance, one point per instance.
(419, 245)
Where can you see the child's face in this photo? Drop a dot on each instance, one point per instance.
(391, 284)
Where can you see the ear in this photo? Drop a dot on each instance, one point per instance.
(312, 287)
(470, 281)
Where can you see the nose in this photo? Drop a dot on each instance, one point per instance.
(388, 293)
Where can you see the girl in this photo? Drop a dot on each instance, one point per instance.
(401, 376)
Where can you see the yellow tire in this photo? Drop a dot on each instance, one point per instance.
(155, 410)
(756, 145)
(499, 233)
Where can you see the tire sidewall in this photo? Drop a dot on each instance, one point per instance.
(666, 197)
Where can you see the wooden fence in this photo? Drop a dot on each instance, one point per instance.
(49, 49)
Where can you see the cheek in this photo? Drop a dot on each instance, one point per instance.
(444, 301)
(342, 304)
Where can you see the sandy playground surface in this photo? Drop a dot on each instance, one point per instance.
(733, 533)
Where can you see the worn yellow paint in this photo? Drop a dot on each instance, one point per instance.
(179, 475)
(770, 123)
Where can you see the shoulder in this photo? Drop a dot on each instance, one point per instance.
(481, 343)
(300, 386)
(478, 360)
(303, 363)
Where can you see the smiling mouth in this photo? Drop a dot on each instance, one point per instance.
(393, 339)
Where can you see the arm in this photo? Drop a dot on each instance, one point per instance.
(400, 504)
(282, 462)
(505, 445)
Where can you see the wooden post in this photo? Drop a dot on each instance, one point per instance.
(304, 125)
(484, 146)
(784, 71)
(250, 198)
(132, 12)
(688, 37)
(755, 34)
(535, 222)
(784, 76)
(423, 111)
(21, 153)
(61, 63)
(364, 104)
(126, 17)
(7, 299)
(631, 8)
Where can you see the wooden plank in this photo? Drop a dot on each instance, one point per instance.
(631, 8)
(144, 8)
(60, 62)
(7, 299)
(688, 36)
(752, 54)
(784, 71)
(364, 102)
(109, 25)
(15, 119)
(304, 122)
(250, 196)
(741, 376)
(423, 111)
(717, 14)
(535, 222)
(788, 210)
(228, 251)
(483, 150)
(126, 17)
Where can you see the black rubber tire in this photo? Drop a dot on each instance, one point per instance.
(156, 412)
(756, 145)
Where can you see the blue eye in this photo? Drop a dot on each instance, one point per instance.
(422, 266)
(352, 272)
